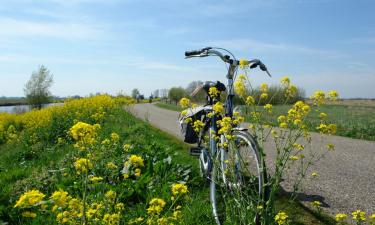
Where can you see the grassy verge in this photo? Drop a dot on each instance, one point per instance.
(352, 121)
(44, 167)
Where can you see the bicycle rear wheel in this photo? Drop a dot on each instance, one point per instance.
(237, 181)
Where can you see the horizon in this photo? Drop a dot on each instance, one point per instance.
(109, 46)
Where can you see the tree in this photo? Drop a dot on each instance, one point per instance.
(37, 88)
(135, 93)
(176, 93)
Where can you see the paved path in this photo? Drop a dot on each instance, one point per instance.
(346, 180)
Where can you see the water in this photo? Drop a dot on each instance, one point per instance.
(22, 108)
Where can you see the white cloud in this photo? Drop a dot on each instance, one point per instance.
(65, 30)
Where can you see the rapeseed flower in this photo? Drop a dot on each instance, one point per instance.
(359, 215)
(136, 161)
(184, 102)
(83, 165)
(179, 189)
(30, 198)
(156, 206)
(281, 218)
(340, 217)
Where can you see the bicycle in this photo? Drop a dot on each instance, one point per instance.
(238, 169)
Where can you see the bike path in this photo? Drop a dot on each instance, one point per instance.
(346, 176)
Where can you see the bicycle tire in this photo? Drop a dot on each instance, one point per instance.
(236, 180)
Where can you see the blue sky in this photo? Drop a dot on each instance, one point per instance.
(112, 45)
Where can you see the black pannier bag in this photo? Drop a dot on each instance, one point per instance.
(187, 130)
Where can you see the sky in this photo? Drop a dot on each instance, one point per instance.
(114, 46)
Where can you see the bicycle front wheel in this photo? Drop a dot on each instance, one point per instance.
(237, 181)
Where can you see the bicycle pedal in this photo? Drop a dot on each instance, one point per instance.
(195, 151)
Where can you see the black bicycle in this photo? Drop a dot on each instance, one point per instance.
(234, 168)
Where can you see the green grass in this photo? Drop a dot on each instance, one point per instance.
(172, 107)
(23, 168)
(352, 121)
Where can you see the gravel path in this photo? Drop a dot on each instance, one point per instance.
(346, 179)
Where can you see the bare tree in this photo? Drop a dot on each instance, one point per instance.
(37, 88)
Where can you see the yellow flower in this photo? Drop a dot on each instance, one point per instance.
(95, 179)
(263, 87)
(259, 207)
(111, 166)
(115, 137)
(359, 215)
(184, 102)
(84, 134)
(28, 214)
(218, 108)
(291, 91)
(298, 146)
(239, 86)
(213, 92)
(268, 107)
(156, 206)
(120, 206)
(179, 189)
(83, 165)
(243, 63)
(281, 119)
(126, 147)
(316, 204)
(250, 100)
(314, 174)
(283, 125)
(198, 125)
(341, 217)
(333, 95)
(30, 198)
(294, 158)
(285, 80)
(111, 219)
(322, 115)
(372, 217)
(184, 112)
(297, 122)
(60, 197)
(318, 97)
(281, 218)
(264, 96)
(330, 147)
(137, 172)
(110, 195)
(136, 161)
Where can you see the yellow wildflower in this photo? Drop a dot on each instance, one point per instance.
(318, 97)
(136, 161)
(263, 87)
(316, 204)
(268, 107)
(330, 147)
(115, 137)
(111, 219)
(314, 174)
(184, 102)
(283, 125)
(156, 206)
(333, 95)
(111, 166)
(198, 125)
(28, 214)
(110, 195)
(83, 165)
(126, 147)
(95, 179)
(137, 172)
(239, 86)
(250, 100)
(294, 158)
(218, 108)
(213, 92)
(285, 80)
(359, 215)
(281, 218)
(322, 115)
(179, 189)
(340, 217)
(243, 63)
(60, 197)
(30, 198)
(264, 96)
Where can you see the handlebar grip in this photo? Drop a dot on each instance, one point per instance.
(194, 52)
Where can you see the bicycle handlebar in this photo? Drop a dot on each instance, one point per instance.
(209, 51)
